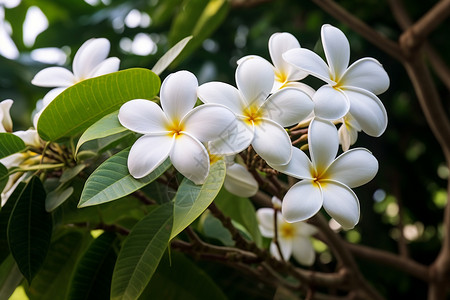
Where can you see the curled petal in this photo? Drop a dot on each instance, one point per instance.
(190, 158)
(367, 110)
(299, 166)
(143, 116)
(302, 201)
(107, 66)
(209, 121)
(309, 62)
(303, 251)
(323, 143)
(265, 219)
(330, 103)
(272, 142)
(54, 77)
(254, 79)
(89, 56)
(5, 117)
(240, 182)
(278, 44)
(221, 93)
(348, 132)
(287, 107)
(337, 50)
(178, 94)
(341, 203)
(353, 168)
(366, 73)
(147, 153)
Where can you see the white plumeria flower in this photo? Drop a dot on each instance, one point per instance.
(239, 181)
(348, 132)
(5, 117)
(261, 115)
(349, 89)
(293, 238)
(176, 131)
(326, 181)
(286, 75)
(89, 61)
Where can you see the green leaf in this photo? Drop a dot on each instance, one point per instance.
(3, 177)
(71, 173)
(10, 277)
(182, 280)
(30, 229)
(10, 144)
(240, 210)
(106, 126)
(53, 279)
(84, 103)
(198, 18)
(5, 215)
(141, 253)
(92, 278)
(112, 180)
(170, 56)
(57, 197)
(213, 228)
(191, 199)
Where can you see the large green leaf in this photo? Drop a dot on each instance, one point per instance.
(53, 279)
(10, 144)
(191, 199)
(198, 18)
(240, 210)
(141, 253)
(92, 278)
(5, 215)
(106, 126)
(112, 180)
(30, 229)
(86, 102)
(182, 280)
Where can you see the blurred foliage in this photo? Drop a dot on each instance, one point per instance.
(411, 162)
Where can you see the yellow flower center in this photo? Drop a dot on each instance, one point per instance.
(175, 129)
(252, 114)
(287, 230)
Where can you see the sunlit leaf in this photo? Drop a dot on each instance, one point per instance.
(10, 144)
(92, 278)
(30, 229)
(170, 56)
(141, 253)
(112, 180)
(86, 102)
(191, 199)
(182, 280)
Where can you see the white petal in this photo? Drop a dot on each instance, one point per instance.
(367, 110)
(265, 217)
(190, 158)
(89, 56)
(107, 66)
(221, 93)
(347, 136)
(337, 50)
(323, 143)
(278, 44)
(366, 73)
(272, 142)
(54, 77)
(286, 250)
(302, 201)
(301, 86)
(287, 107)
(178, 94)
(51, 95)
(235, 139)
(304, 229)
(209, 121)
(147, 153)
(330, 103)
(309, 62)
(5, 116)
(303, 251)
(299, 166)
(341, 203)
(353, 168)
(239, 181)
(30, 137)
(254, 79)
(143, 116)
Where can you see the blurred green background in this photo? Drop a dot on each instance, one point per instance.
(412, 168)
